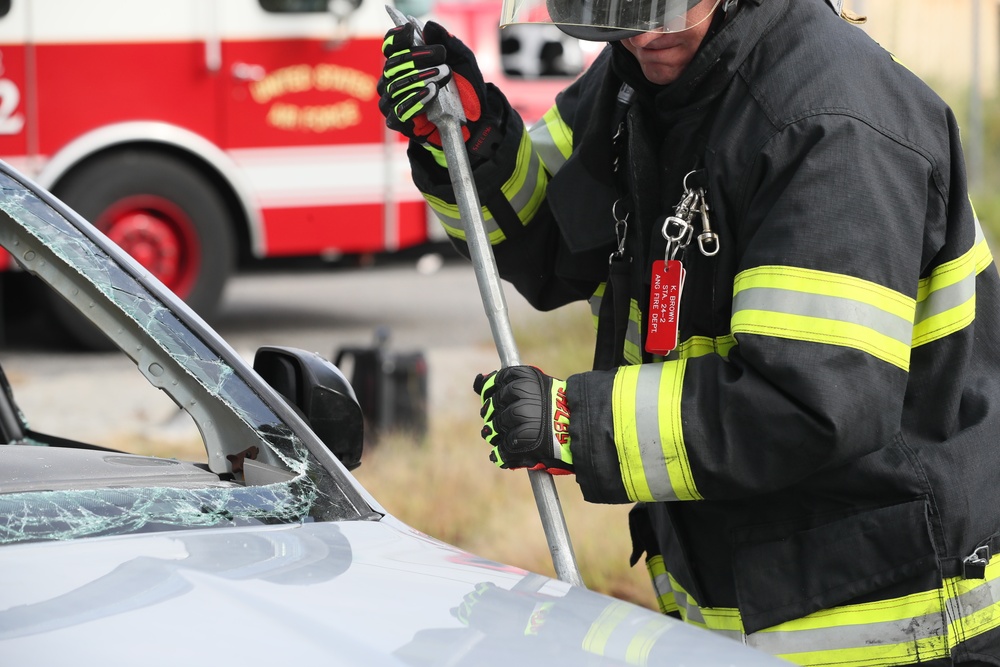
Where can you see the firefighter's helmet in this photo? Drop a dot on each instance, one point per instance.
(609, 20)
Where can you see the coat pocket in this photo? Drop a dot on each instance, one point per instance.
(824, 566)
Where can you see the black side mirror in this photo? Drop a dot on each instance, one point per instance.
(320, 393)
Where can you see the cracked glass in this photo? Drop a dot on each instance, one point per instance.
(296, 485)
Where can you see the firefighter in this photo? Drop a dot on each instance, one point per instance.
(797, 371)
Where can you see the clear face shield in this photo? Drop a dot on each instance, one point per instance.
(609, 20)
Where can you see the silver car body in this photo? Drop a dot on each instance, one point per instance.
(276, 555)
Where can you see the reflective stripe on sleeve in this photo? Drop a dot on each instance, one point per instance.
(834, 309)
(552, 139)
(525, 190)
(946, 299)
(633, 335)
(696, 346)
(646, 403)
(452, 222)
(632, 350)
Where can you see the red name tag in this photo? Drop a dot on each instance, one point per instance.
(664, 306)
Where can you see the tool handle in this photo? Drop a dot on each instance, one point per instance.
(446, 112)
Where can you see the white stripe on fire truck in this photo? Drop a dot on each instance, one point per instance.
(326, 175)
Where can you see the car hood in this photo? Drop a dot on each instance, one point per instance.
(347, 593)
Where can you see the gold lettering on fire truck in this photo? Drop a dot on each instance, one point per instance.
(293, 79)
(345, 80)
(319, 118)
(304, 78)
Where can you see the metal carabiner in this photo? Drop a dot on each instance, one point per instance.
(708, 241)
(621, 231)
(677, 230)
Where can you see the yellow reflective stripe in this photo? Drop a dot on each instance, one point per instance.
(816, 306)
(646, 403)
(822, 283)
(525, 189)
(973, 610)
(595, 304)
(452, 221)
(700, 346)
(946, 299)
(552, 139)
(661, 584)
(633, 335)
(929, 624)
(721, 620)
(623, 408)
(696, 346)
(438, 155)
(925, 648)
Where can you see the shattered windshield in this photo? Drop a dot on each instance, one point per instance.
(259, 469)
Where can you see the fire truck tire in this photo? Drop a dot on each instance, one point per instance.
(166, 215)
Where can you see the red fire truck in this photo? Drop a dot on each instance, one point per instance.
(202, 135)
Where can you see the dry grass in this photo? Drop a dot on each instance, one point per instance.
(447, 488)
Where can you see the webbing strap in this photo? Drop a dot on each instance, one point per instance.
(612, 320)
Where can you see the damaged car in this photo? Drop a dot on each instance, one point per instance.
(267, 550)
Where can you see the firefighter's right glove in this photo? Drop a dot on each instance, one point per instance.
(412, 78)
(526, 419)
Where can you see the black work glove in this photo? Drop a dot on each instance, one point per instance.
(413, 76)
(526, 419)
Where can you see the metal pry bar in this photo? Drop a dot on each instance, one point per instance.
(446, 112)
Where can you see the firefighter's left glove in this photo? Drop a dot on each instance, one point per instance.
(526, 419)
(413, 77)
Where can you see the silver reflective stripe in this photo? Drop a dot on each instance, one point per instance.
(525, 195)
(946, 298)
(449, 217)
(980, 236)
(689, 609)
(958, 611)
(661, 584)
(885, 633)
(983, 596)
(647, 433)
(552, 140)
(633, 335)
(824, 307)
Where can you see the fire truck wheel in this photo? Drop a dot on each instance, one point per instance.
(163, 213)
